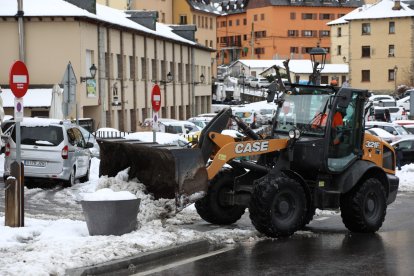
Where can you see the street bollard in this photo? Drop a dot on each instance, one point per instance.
(14, 201)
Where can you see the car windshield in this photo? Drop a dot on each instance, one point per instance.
(40, 135)
(401, 130)
(301, 107)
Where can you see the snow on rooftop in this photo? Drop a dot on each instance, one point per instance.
(33, 97)
(382, 9)
(103, 13)
(298, 66)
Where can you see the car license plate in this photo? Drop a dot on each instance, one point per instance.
(35, 163)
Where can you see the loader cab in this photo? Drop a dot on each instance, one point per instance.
(330, 123)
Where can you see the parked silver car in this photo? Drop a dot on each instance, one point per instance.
(51, 149)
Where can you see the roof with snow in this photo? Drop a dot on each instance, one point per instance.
(33, 97)
(343, 19)
(315, 3)
(43, 8)
(382, 9)
(298, 66)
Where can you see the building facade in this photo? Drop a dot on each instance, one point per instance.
(130, 59)
(380, 42)
(276, 29)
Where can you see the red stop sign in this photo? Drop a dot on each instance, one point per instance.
(19, 79)
(156, 98)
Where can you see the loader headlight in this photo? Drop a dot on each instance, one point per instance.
(294, 134)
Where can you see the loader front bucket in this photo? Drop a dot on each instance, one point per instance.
(166, 171)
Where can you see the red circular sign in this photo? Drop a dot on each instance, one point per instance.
(156, 98)
(19, 79)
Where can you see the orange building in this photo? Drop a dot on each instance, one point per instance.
(277, 29)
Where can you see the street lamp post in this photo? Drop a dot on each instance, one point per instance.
(395, 78)
(244, 77)
(318, 59)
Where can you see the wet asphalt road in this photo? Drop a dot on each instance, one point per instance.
(326, 248)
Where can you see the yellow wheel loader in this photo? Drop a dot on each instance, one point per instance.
(305, 163)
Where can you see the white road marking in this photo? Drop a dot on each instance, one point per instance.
(186, 261)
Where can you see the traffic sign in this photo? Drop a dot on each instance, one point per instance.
(156, 98)
(19, 79)
(18, 109)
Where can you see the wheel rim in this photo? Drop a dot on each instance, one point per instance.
(284, 207)
(371, 206)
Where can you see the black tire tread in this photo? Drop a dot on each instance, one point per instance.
(208, 207)
(260, 205)
(352, 212)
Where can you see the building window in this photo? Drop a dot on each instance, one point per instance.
(163, 70)
(324, 33)
(180, 72)
(199, 22)
(154, 75)
(308, 16)
(237, 22)
(391, 74)
(262, 16)
(230, 23)
(339, 31)
(326, 16)
(391, 27)
(223, 23)
(119, 66)
(340, 15)
(292, 16)
(308, 33)
(244, 37)
(306, 50)
(187, 72)
(172, 69)
(131, 67)
(183, 19)
(294, 50)
(211, 43)
(211, 23)
(255, 17)
(260, 34)
(293, 33)
(107, 65)
(366, 51)
(259, 51)
(365, 76)
(144, 68)
(339, 50)
(163, 17)
(194, 19)
(366, 28)
(391, 50)
(244, 21)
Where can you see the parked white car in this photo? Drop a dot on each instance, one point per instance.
(404, 102)
(51, 150)
(395, 129)
(259, 82)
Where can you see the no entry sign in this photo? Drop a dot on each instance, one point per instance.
(19, 79)
(156, 98)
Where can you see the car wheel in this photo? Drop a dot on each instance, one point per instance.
(71, 181)
(85, 178)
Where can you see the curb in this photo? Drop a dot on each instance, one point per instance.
(146, 260)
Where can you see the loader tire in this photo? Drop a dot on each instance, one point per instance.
(278, 206)
(363, 208)
(212, 208)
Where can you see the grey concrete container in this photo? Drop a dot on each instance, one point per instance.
(111, 217)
